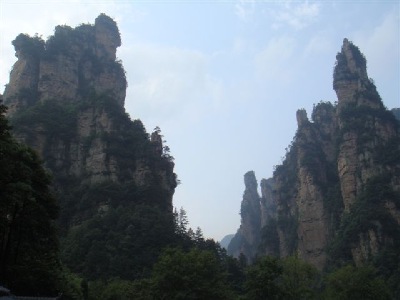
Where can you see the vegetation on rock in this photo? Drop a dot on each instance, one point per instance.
(347, 159)
(119, 237)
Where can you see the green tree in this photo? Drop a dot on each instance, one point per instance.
(198, 236)
(235, 273)
(113, 289)
(299, 279)
(354, 283)
(72, 286)
(189, 275)
(181, 222)
(28, 210)
(264, 279)
(121, 242)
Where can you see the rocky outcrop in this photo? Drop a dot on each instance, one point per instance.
(250, 210)
(70, 65)
(255, 213)
(248, 235)
(313, 165)
(24, 76)
(302, 216)
(336, 192)
(356, 91)
(66, 99)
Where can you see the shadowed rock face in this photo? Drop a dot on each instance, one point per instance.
(248, 235)
(346, 151)
(250, 210)
(255, 213)
(66, 99)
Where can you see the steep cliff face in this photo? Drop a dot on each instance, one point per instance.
(70, 65)
(268, 205)
(337, 191)
(255, 212)
(304, 186)
(355, 162)
(66, 99)
(368, 157)
(247, 238)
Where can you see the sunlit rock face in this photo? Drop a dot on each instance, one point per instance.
(335, 192)
(68, 66)
(355, 91)
(66, 99)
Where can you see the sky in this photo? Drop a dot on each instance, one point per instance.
(224, 79)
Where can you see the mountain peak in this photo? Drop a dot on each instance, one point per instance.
(352, 60)
(107, 36)
(250, 181)
(71, 66)
(350, 78)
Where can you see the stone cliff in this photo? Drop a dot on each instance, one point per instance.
(255, 212)
(337, 192)
(247, 238)
(66, 99)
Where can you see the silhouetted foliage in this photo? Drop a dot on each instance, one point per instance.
(29, 261)
(30, 46)
(263, 279)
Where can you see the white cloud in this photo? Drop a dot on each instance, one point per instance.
(319, 44)
(297, 15)
(381, 46)
(245, 9)
(170, 81)
(273, 63)
(41, 16)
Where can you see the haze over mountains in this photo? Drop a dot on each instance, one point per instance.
(336, 194)
(333, 201)
(194, 69)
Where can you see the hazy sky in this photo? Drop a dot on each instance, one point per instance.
(223, 79)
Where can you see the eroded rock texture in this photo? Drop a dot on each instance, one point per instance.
(337, 193)
(66, 99)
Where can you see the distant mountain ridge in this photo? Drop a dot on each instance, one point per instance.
(335, 199)
(226, 240)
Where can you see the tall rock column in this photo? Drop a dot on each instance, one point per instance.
(313, 224)
(251, 211)
(369, 139)
(66, 97)
(247, 238)
(22, 89)
(358, 106)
